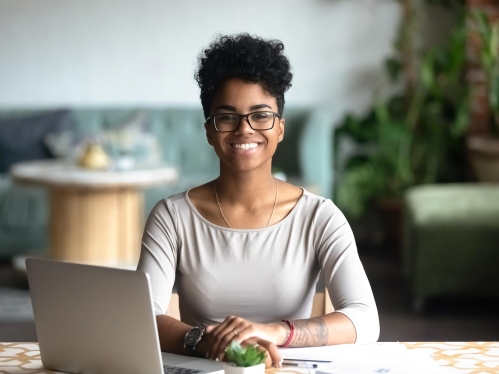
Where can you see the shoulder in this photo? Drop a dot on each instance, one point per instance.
(327, 223)
(169, 208)
(202, 200)
(320, 203)
(313, 199)
(170, 202)
(198, 196)
(323, 212)
(197, 199)
(308, 204)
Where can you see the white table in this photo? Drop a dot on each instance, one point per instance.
(95, 216)
(461, 357)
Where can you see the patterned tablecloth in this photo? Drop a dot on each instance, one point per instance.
(468, 357)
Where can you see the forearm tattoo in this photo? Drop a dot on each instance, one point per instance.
(312, 332)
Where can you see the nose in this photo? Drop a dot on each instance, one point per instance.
(244, 127)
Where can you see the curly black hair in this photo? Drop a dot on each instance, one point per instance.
(246, 57)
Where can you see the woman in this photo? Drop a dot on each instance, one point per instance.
(246, 249)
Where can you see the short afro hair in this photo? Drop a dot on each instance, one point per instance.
(246, 57)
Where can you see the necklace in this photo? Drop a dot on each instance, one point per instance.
(222, 213)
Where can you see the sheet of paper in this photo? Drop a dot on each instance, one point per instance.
(386, 358)
(328, 353)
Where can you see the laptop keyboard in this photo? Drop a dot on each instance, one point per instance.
(167, 369)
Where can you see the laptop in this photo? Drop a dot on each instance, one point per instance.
(92, 319)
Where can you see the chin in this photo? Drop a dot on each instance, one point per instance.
(245, 167)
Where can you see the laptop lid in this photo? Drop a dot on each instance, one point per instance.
(92, 319)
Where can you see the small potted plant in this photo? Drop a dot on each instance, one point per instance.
(247, 360)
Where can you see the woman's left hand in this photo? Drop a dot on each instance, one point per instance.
(238, 329)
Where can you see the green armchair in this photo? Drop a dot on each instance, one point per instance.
(452, 240)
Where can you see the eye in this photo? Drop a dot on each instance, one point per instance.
(260, 116)
(226, 117)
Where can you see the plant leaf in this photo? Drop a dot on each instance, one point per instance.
(244, 357)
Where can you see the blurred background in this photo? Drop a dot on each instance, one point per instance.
(393, 114)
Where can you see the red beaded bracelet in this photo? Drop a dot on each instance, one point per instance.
(291, 333)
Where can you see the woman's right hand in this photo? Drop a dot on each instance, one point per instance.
(242, 331)
(272, 359)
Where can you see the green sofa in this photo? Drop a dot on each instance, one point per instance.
(305, 155)
(452, 240)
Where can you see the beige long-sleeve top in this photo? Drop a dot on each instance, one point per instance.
(263, 275)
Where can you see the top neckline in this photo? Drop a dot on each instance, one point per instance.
(222, 228)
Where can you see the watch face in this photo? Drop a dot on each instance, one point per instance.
(193, 336)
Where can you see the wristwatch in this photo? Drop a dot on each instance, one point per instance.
(193, 337)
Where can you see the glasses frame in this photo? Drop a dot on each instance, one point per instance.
(246, 117)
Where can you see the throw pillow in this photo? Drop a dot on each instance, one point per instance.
(22, 139)
(131, 142)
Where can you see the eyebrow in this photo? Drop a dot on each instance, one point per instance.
(259, 106)
(233, 109)
(226, 107)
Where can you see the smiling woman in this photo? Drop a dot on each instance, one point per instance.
(246, 249)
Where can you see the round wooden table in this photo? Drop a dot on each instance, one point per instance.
(95, 216)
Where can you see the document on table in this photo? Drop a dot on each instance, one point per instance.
(328, 353)
(386, 358)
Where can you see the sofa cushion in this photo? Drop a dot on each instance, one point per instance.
(22, 208)
(22, 139)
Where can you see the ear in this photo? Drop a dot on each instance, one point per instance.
(282, 122)
(208, 133)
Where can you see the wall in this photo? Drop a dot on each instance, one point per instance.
(131, 52)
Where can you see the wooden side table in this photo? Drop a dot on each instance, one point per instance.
(95, 216)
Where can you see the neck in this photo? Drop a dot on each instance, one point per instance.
(249, 189)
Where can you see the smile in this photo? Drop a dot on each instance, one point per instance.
(244, 146)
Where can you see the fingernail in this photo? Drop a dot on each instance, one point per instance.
(216, 359)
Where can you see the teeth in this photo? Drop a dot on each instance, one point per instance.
(245, 146)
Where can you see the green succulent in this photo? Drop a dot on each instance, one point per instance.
(248, 356)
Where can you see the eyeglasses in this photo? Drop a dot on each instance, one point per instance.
(227, 122)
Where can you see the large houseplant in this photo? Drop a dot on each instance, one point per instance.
(484, 150)
(416, 137)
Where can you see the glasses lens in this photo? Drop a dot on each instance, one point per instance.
(226, 121)
(261, 120)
